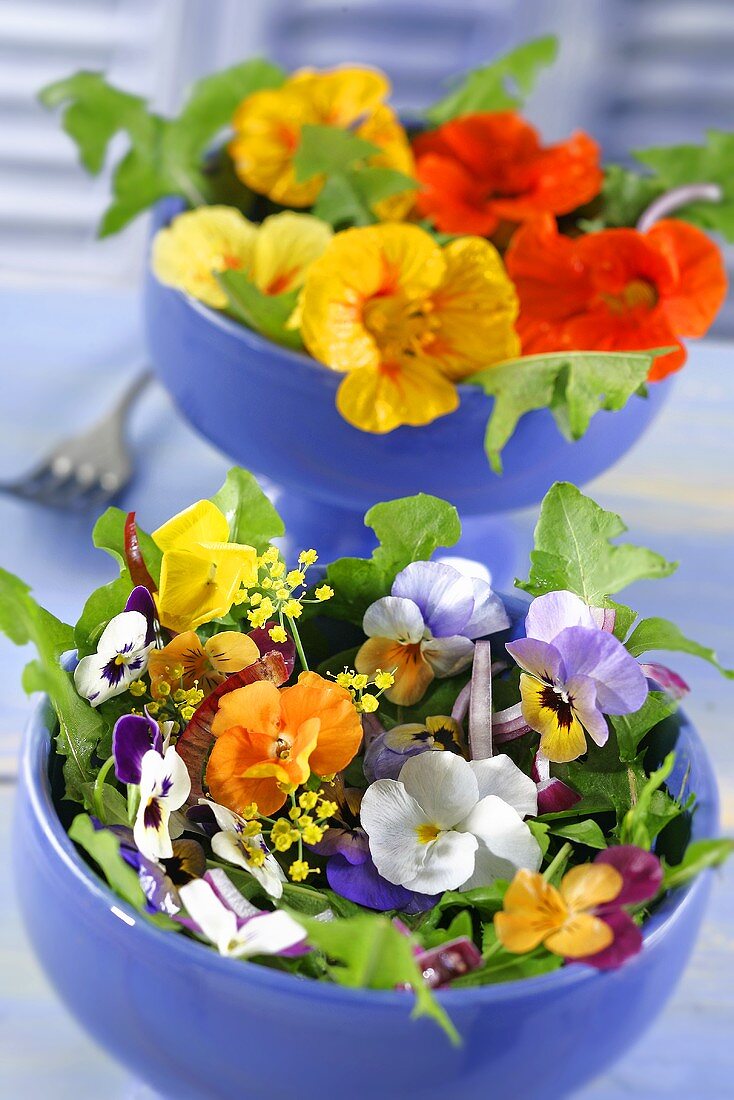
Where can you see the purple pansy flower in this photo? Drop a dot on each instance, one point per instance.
(426, 626)
(141, 600)
(642, 876)
(121, 658)
(132, 737)
(574, 674)
(352, 874)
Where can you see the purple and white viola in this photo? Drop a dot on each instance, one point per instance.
(236, 843)
(218, 912)
(574, 673)
(121, 658)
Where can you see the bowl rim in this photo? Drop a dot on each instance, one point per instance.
(33, 777)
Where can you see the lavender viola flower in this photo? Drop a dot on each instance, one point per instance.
(574, 673)
(218, 912)
(389, 749)
(426, 626)
(121, 657)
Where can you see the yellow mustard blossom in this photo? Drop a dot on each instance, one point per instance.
(326, 809)
(369, 704)
(308, 800)
(384, 680)
(405, 319)
(137, 688)
(278, 634)
(268, 126)
(323, 592)
(200, 243)
(201, 571)
(299, 870)
(308, 557)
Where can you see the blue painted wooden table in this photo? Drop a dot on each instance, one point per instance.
(62, 356)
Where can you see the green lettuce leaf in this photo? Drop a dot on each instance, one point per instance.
(165, 156)
(712, 162)
(585, 832)
(253, 521)
(660, 634)
(408, 529)
(700, 854)
(267, 314)
(369, 952)
(574, 385)
(500, 86)
(325, 150)
(574, 551)
(631, 728)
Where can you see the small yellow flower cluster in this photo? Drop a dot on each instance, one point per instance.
(357, 683)
(306, 823)
(278, 594)
(176, 704)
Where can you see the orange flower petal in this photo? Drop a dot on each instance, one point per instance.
(580, 936)
(589, 885)
(232, 756)
(413, 674)
(532, 910)
(340, 728)
(701, 286)
(256, 707)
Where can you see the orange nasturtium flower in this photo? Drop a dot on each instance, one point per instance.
(202, 664)
(405, 319)
(482, 170)
(535, 912)
(198, 243)
(269, 739)
(268, 128)
(616, 290)
(201, 571)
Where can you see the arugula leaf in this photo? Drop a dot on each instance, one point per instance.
(573, 550)
(370, 953)
(267, 314)
(104, 848)
(645, 817)
(352, 196)
(605, 783)
(631, 728)
(324, 150)
(713, 162)
(700, 854)
(103, 604)
(574, 385)
(409, 529)
(109, 535)
(654, 634)
(582, 832)
(80, 727)
(253, 521)
(499, 86)
(165, 155)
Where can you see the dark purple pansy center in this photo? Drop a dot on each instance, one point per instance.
(152, 816)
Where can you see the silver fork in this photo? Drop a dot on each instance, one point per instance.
(86, 470)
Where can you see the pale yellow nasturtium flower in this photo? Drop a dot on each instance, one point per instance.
(201, 571)
(275, 255)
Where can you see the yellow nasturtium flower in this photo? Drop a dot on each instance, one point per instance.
(201, 571)
(199, 243)
(268, 127)
(405, 319)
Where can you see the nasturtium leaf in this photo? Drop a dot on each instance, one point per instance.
(323, 150)
(80, 727)
(573, 550)
(585, 832)
(369, 952)
(351, 196)
(625, 195)
(574, 385)
(408, 529)
(631, 728)
(712, 162)
(104, 848)
(700, 854)
(109, 535)
(253, 521)
(165, 156)
(660, 634)
(267, 314)
(499, 86)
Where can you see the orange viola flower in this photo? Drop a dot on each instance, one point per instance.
(205, 664)
(484, 169)
(268, 739)
(616, 290)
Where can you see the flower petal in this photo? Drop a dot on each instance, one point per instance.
(621, 687)
(442, 784)
(132, 737)
(412, 672)
(125, 634)
(500, 776)
(627, 942)
(394, 617)
(582, 693)
(561, 734)
(581, 935)
(444, 596)
(447, 656)
(212, 918)
(532, 910)
(391, 818)
(552, 612)
(489, 615)
(540, 659)
(505, 842)
(590, 885)
(363, 884)
(641, 871)
(448, 864)
(285, 247)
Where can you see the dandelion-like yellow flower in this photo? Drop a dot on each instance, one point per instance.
(200, 243)
(268, 126)
(405, 319)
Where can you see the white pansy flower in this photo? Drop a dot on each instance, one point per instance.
(234, 845)
(164, 787)
(121, 658)
(447, 824)
(235, 934)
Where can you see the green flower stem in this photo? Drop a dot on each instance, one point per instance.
(558, 862)
(98, 785)
(299, 646)
(133, 801)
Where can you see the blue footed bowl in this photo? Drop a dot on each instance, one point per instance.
(273, 411)
(198, 1027)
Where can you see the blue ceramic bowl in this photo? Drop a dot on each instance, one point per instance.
(198, 1027)
(273, 411)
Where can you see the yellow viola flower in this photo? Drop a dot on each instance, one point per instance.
(202, 664)
(275, 255)
(405, 319)
(198, 243)
(268, 128)
(564, 920)
(201, 571)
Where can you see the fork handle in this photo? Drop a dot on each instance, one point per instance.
(133, 391)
